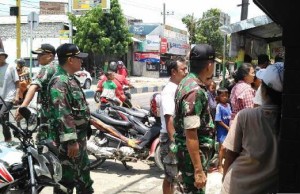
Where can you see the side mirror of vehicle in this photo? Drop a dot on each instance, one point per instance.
(30, 116)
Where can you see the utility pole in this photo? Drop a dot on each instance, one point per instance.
(70, 23)
(18, 28)
(244, 10)
(164, 13)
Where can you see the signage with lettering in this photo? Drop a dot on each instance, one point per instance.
(89, 4)
(152, 43)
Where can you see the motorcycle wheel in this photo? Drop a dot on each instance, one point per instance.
(96, 162)
(97, 96)
(157, 158)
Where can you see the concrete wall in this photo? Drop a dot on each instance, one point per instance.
(44, 33)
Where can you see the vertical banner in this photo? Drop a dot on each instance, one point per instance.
(163, 45)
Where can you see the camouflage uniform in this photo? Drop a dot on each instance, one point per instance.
(69, 120)
(191, 102)
(42, 80)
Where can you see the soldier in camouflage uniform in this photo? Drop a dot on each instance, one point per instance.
(45, 58)
(69, 120)
(194, 136)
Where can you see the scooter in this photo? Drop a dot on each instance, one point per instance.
(117, 139)
(28, 168)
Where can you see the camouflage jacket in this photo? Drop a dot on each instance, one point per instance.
(42, 80)
(69, 111)
(191, 111)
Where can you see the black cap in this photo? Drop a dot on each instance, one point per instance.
(263, 58)
(202, 52)
(69, 50)
(45, 48)
(2, 52)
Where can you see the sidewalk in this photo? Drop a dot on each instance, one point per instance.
(141, 85)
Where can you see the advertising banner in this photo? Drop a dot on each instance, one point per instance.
(89, 4)
(163, 45)
(152, 43)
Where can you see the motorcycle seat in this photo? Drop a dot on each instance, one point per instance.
(110, 121)
(134, 113)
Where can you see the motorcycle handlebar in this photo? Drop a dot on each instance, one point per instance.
(15, 128)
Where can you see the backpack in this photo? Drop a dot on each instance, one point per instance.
(155, 104)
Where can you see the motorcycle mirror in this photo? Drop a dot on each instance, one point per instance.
(30, 117)
(25, 112)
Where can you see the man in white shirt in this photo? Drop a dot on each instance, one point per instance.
(9, 92)
(177, 69)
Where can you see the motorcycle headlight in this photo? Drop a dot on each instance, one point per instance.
(55, 166)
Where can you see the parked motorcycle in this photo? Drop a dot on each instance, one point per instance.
(28, 168)
(124, 140)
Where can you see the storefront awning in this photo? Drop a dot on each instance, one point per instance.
(135, 39)
(254, 35)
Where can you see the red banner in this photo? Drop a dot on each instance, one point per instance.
(163, 45)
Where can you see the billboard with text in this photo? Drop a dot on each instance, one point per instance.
(89, 4)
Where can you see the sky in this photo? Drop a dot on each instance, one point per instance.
(150, 11)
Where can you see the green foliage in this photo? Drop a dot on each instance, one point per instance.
(102, 33)
(191, 23)
(206, 29)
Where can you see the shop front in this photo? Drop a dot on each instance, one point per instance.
(158, 44)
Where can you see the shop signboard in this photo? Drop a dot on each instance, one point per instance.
(177, 48)
(89, 4)
(152, 43)
(177, 41)
(145, 29)
(151, 59)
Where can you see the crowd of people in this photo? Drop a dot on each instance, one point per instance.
(195, 112)
(243, 118)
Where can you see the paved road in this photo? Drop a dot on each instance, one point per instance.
(113, 178)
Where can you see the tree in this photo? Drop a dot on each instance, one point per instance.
(206, 29)
(191, 23)
(102, 33)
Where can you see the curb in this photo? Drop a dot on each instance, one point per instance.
(146, 89)
(90, 93)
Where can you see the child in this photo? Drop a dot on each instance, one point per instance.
(211, 92)
(223, 115)
(109, 88)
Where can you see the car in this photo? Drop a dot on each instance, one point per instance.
(85, 78)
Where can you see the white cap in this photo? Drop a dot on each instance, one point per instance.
(272, 76)
(259, 73)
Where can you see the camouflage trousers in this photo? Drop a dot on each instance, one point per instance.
(168, 158)
(186, 167)
(76, 173)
